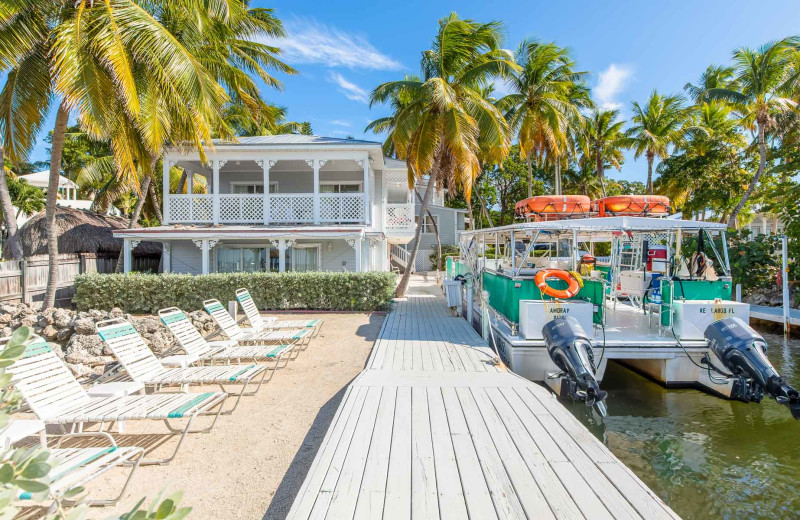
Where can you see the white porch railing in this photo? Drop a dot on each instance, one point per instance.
(241, 208)
(399, 218)
(344, 207)
(291, 208)
(191, 208)
(399, 255)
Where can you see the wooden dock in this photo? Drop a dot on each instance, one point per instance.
(432, 428)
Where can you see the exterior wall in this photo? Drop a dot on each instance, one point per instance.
(448, 220)
(764, 224)
(186, 257)
(288, 182)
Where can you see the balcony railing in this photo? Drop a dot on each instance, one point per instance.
(399, 218)
(278, 208)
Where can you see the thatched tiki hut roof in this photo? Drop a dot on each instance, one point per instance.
(79, 231)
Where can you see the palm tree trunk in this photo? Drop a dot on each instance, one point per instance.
(471, 215)
(530, 177)
(182, 182)
(154, 201)
(485, 211)
(436, 233)
(650, 159)
(412, 259)
(558, 176)
(56, 151)
(137, 212)
(598, 166)
(762, 162)
(8, 212)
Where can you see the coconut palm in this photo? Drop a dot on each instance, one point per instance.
(601, 141)
(761, 77)
(714, 77)
(658, 125)
(447, 127)
(542, 101)
(84, 56)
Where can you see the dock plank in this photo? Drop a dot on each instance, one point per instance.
(433, 429)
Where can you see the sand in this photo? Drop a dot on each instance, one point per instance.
(253, 463)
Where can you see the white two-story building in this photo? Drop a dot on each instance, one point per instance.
(282, 203)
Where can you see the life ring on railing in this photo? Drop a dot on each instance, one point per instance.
(541, 281)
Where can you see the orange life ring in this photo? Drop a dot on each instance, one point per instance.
(541, 281)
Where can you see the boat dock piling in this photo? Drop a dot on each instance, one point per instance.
(434, 428)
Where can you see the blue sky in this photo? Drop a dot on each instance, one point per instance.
(343, 50)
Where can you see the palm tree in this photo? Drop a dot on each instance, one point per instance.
(658, 125)
(542, 101)
(602, 141)
(761, 77)
(714, 77)
(448, 126)
(86, 55)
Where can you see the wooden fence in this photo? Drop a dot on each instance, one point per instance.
(26, 280)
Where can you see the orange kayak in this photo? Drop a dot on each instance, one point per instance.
(553, 205)
(632, 205)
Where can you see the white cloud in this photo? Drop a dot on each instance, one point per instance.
(350, 90)
(340, 122)
(610, 83)
(309, 41)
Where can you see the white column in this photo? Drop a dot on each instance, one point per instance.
(206, 256)
(317, 165)
(282, 255)
(358, 246)
(166, 165)
(266, 164)
(189, 182)
(364, 163)
(217, 164)
(166, 257)
(127, 259)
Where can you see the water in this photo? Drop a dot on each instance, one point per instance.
(706, 457)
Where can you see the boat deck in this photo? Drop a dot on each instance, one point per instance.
(432, 428)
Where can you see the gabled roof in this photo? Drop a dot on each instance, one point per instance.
(293, 139)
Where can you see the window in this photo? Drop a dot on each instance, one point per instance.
(303, 257)
(253, 187)
(427, 226)
(340, 187)
(246, 259)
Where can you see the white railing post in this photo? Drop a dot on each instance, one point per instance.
(316, 164)
(787, 310)
(166, 254)
(217, 164)
(364, 163)
(266, 164)
(126, 255)
(282, 255)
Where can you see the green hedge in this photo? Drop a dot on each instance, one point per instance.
(147, 293)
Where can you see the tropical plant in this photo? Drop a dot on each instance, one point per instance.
(714, 77)
(762, 77)
(265, 120)
(447, 127)
(601, 141)
(544, 100)
(658, 125)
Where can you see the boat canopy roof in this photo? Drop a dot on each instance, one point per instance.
(606, 224)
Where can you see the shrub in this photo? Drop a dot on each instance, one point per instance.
(147, 293)
(447, 250)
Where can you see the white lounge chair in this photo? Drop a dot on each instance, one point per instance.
(143, 366)
(56, 397)
(226, 351)
(250, 335)
(259, 322)
(74, 467)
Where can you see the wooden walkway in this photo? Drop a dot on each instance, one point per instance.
(433, 429)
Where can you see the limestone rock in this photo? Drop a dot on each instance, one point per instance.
(86, 343)
(83, 326)
(50, 333)
(62, 318)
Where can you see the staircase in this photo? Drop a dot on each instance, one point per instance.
(399, 258)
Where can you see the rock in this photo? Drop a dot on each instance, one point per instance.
(29, 320)
(96, 314)
(116, 312)
(99, 370)
(8, 309)
(146, 325)
(5, 318)
(62, 318)
(49, 333)
(83, 326)
(86, 343)
(63, 335)
(6, 331)
(44, 321)
(80, 371)
(160, 342)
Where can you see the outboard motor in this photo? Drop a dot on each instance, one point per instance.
(570, 349)
(743, 351)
